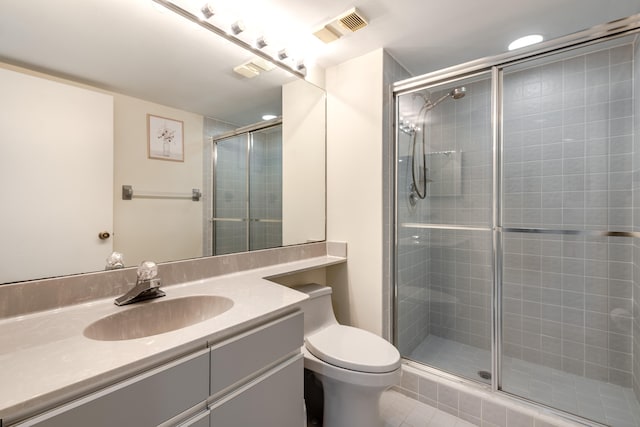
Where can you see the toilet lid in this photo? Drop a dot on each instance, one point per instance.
(354, 349)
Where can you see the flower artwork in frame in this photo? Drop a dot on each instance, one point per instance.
(165, 138)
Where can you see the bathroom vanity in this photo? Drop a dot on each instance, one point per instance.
(240, 367)
(248, 379)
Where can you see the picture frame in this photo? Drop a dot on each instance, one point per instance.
(165, 138)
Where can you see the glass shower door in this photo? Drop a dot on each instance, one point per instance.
(230, 195)
(247, 191)
(265, 189)
(444, 227)
(567, 296)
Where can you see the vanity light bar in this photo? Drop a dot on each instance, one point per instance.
(297, 71)
(261, 42)
(237, 27)
(208, 11)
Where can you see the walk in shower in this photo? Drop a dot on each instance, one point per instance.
(517, 219)
(247, 189)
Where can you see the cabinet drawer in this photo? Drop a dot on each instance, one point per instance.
(274, 399)
(244, 355)
(200, 420)
(144, 400)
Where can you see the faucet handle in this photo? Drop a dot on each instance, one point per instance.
(147, 270)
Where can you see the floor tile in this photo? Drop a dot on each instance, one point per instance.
(399, 410)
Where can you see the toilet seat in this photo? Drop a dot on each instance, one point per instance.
(354, 349)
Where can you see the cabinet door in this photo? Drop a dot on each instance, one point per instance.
(274, 399)
(144, 400)
(238, 359)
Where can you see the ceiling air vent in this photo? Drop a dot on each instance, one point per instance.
(346, 23)
(254, 67)
(353, 20)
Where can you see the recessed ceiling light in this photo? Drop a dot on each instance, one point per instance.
(268, 117)
(525, 41)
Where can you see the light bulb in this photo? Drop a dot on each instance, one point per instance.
(525, 41)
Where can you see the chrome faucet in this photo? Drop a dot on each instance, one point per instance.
(147, 285)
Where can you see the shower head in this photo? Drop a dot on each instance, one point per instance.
(458, 92)
(455, 93)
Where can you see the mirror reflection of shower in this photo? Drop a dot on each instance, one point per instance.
(419, 176)
(246, 189)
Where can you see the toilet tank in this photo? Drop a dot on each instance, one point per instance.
(318, 311)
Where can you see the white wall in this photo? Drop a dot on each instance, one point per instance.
(158, 230)
(355, 188)
(303, 162)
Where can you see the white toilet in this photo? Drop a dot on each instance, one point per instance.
(353, 365)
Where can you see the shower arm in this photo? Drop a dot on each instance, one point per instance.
(455, 93)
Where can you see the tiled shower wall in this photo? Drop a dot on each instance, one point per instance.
(568, 144)
(445, 275)
(266, 188)
(460, 166)
(413, 261)
(230, 195)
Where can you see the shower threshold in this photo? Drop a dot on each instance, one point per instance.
(596, 400)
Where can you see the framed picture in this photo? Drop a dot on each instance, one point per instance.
(165, 138)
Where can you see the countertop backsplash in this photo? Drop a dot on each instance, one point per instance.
(38, 295)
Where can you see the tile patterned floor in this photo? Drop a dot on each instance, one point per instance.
(399, 410)
(606, 403)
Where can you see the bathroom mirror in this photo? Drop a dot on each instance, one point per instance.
(138, 61)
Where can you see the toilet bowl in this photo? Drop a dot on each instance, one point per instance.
(353, 365)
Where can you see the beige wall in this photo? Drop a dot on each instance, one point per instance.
(354, 187)
(56, 177)
(158, 230)
(303, 162)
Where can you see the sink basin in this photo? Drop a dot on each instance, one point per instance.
(157, 317)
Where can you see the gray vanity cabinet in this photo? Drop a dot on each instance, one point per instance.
(147, 399)
(252, 378)
(257, 378)
(271, 400)
(203, 419)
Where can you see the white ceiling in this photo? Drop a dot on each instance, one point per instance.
(130, 47)
(428, 35)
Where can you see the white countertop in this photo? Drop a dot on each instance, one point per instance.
(45, 359)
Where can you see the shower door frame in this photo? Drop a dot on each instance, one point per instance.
(495, 65)
(248, 131)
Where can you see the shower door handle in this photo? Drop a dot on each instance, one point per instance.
(228, 220)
